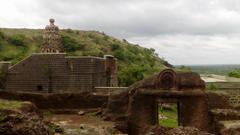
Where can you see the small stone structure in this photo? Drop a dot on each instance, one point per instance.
(53, 71)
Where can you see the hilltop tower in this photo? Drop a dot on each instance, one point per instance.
(52, 39)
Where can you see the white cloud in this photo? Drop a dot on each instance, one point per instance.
(182, 31)
(194, 49)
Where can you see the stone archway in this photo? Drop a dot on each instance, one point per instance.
(166, 80)
(187, 88)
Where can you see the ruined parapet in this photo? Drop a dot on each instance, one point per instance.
(52, 39)
(111, 70)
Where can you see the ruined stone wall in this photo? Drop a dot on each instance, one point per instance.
(56, 73)
(35, 72)
(86, 73)
(58, 100)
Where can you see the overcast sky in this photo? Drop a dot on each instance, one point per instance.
(181, 31)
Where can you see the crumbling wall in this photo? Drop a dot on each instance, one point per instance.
(59, 100)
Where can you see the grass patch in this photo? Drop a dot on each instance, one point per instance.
(47, 113)
(5, 104)
(170, 117)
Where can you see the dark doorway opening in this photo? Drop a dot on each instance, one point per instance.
(39, 88)
(168, 113)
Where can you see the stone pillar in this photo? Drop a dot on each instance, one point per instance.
(111, 70)
(143, 111)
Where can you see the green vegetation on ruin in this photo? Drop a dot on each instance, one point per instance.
(134, 62)
(8, 105)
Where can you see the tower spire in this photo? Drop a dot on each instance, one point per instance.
(52, 39)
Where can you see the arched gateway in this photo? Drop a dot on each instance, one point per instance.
(184, 88)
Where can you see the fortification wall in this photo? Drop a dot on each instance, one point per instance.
(48, 72)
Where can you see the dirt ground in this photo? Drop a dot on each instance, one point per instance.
(74, 124)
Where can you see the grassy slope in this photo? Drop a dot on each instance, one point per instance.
(135, 62)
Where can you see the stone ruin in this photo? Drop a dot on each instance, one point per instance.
(138, 113)
(135, 110)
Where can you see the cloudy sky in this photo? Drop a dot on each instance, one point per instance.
(181, 31)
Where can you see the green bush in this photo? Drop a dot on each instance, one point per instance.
(119, 54)
(235, 73)
(212, 87)
(130, 75)
(70, 44)
(106, 37)
(17, 39)
(115, 47)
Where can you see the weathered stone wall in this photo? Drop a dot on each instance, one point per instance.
(48, 72)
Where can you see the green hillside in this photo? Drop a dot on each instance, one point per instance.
(135, 62)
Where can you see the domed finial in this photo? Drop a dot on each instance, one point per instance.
(51, 21)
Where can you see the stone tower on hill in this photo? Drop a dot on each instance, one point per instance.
(52, 39)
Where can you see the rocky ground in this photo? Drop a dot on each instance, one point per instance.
(176, 131)
(87, 124)
(21, 118)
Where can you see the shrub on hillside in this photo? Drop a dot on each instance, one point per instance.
(130, 75)
(70, 44)
(17, 39)
(119, 54)
(212, 87)
(115, 47)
